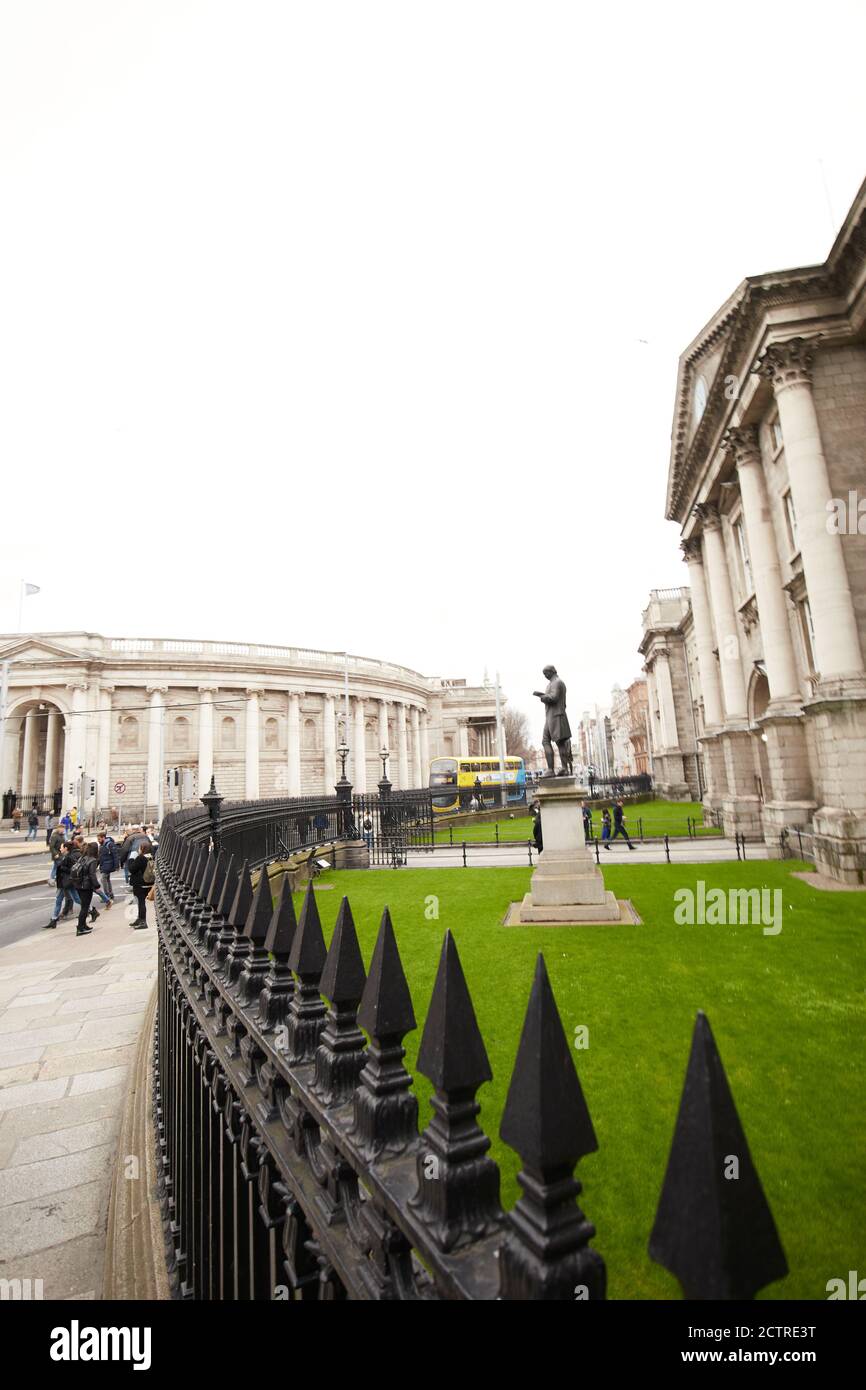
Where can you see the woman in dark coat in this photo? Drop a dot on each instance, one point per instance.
(86, 880)
(137, 869)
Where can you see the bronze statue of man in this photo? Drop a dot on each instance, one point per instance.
(556, 726)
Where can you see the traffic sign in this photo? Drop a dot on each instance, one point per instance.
(120, 788)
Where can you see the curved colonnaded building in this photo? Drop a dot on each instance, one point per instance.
(87, 714)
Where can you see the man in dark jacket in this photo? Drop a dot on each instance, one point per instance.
(619, 824)
(108, 862)
(138, 869)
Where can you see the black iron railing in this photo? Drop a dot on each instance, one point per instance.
(291, 1161)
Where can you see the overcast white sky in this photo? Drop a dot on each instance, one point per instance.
(322, 324)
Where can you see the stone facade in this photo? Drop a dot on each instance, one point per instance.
(628, 727)
(267, 721)
(671, 716)
(767, 481)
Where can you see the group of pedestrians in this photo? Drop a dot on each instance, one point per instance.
(610, 830)
(81, 871)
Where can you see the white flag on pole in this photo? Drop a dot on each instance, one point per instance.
(31, 589)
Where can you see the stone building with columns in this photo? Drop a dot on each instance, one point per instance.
(267, 721)
(767, 469)
(668, 649)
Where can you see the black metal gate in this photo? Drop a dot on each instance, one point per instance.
(395, 823)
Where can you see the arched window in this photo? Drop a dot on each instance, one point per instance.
(310, 734)
(128, 731)
(272, 733)
(229, 737)
(180, 733)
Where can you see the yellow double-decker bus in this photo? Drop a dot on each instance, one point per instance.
(454, 781)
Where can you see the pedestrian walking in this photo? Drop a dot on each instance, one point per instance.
(66, 822)
(587, 821)
(67, 894)
(50, 822)
(536, 827)
(367, 830)
(619, 824)
(32, 824)
(605, 828)
(85, 877)
(55, 840)
(108, 861)
(141, 880)
(16, 820)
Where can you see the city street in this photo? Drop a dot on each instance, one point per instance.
(24, 911)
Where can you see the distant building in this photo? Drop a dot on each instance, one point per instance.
(667, 639)
(87, 714)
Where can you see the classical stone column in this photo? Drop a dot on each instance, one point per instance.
(383, 723)
(329, 744)
(104, 792)
(76, 741)
(205, 736)
(704, 640)
(667, 709)
(11, 753)
(251, 746)
(52, 751)
(155, 743)
(418, 774)
(402, 747)
(293, 743)
(425, 745)
(722, 604)
(359, 751)
(837, 646)
(743, 445)
(31, 754)
(463, 736)
(651, 701)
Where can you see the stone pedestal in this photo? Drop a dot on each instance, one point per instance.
(567, 885)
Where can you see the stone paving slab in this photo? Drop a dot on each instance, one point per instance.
(71, 1011)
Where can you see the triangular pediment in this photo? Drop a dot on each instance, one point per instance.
(24, 650)
(700, 380)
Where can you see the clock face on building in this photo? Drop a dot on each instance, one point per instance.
(700, 398)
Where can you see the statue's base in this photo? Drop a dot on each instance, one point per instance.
(567, 886)
(525, 914)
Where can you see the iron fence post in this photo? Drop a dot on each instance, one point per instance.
(667, 849)
(464, 854)
(213, 801)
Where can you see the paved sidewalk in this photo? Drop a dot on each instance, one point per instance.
(71, 1011)
(682, 850)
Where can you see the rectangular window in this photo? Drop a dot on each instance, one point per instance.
(745, 562)
(791, 522)
(776, 440)
(808, 633)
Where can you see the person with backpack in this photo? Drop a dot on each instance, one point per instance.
(32, 824)
(141, 879)
(66, 893)
(109, 860)
(85, 878)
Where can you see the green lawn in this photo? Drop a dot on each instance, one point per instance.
(657, 817)
(787, 1012)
